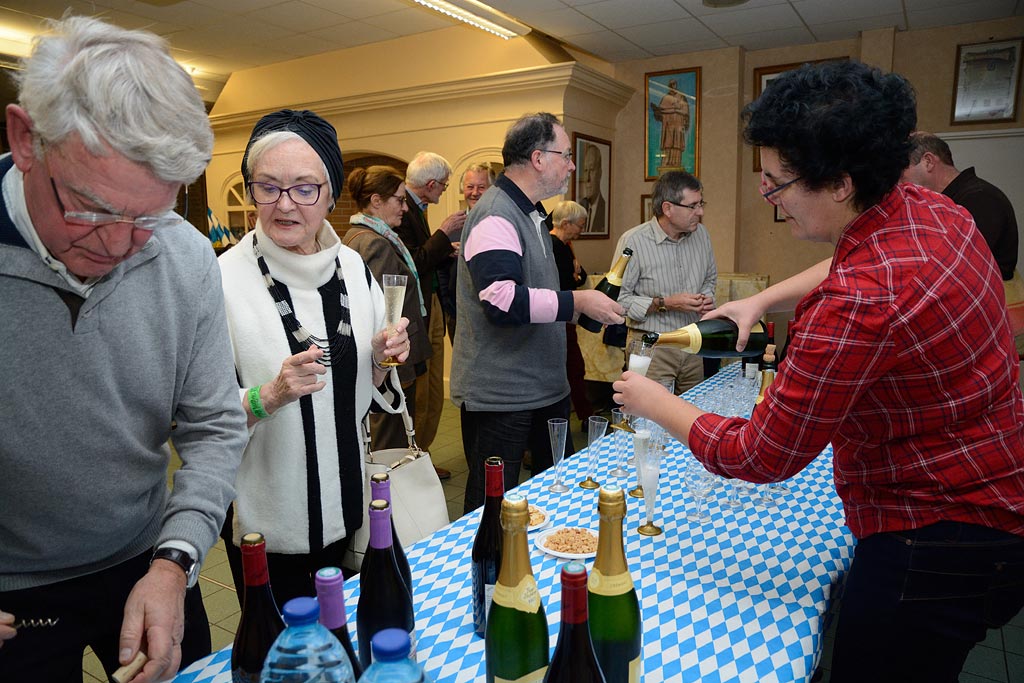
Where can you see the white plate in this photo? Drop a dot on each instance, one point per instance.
(539, 542)
(543, 525)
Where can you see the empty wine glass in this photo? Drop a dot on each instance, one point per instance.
(558, 430)
(596, 427)
(648, 459)
(394, 298)
(619, 439)
(700, 482)
(766, 497)
(640, 353)
(733, 500)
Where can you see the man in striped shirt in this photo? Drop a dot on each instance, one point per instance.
(670, 280)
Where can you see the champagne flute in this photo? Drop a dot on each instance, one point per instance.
(596, 427)
(648, 459)
(558, 429)
(619, 439)
(647, 440)
(394, 298)
(700, 482)
(733, 500)
(640, 353)
(767, 497)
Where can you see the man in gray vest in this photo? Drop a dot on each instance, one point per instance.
(508, 365)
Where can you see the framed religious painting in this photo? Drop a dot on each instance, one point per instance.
(646, 208)
(763, 76)
(591, 183)
(672, 122)
(987, 81)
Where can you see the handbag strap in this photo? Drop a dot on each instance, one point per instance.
(410, 430)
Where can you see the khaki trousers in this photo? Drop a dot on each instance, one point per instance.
(430, 387)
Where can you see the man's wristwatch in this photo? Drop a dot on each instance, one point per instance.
(661, 305)
(180, 558)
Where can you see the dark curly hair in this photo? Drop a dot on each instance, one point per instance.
(837, 117)
(530, 132)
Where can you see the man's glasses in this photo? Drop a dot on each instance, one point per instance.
(565, 155)
(442, 182)
(306, 194)
(770, 191)
(696, 205)
(91, 219)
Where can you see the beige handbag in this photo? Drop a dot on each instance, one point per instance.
(418, 505)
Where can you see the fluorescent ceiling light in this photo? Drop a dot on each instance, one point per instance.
(478, 15)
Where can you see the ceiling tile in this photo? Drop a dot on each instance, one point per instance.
(843, 30)
(749, 21)
(411, 20)
(239, 6)
(135, 22)
(619, 14)
(763, 40)
(187, 13)
(299, 16)
(696, 45)
(678, 31)
(635, 53)
(602, 41)
(353, 34)
(697, 8)
(513, 7)
(564, 22)
(980, 10)
(827, 11)
(360, 9)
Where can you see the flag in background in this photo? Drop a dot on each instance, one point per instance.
(219, 235)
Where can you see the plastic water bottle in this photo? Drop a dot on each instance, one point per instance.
(306, 650)
(391, 663)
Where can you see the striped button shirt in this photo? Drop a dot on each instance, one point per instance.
(902, 358)
(660, 267)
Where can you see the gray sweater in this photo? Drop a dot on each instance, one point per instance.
(88, 408)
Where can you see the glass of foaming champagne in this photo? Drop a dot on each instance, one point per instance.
(394, 298)
(640, 353)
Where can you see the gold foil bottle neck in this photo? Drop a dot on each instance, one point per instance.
(515, 512)
(611, 502)
(611, 556)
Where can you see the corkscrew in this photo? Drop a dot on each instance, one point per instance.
(35, 623)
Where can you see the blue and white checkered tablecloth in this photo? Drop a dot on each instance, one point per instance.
(741, 597)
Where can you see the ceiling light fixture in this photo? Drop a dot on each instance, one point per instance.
(471, 11)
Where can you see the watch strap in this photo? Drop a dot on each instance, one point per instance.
(180, 558)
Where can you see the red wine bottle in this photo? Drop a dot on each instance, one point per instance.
(610, 284)
(574, 660)
(261, 621)
(487, 544)
(380, 489)
(330, 593)
(384, 599)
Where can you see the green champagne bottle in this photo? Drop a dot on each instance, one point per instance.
(614, 608)
(712, 338)
(610, 285)
(516, 645)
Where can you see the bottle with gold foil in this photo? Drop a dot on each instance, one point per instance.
(768, 368)
(516, 646)
(712, 338)
(610, 285)
(614, 608)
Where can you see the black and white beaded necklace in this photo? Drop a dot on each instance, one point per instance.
(334, 346)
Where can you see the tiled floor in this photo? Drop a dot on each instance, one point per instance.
(1000, 658)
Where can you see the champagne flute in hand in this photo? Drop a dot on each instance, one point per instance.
(394, 298)
(558, 430)
(640, 353)
(596, 427)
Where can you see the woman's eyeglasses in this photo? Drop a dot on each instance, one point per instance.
(306, 194)
(770, 191)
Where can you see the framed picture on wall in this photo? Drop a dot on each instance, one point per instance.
(987, 81)
(591, 183)
(672, 122)
(763, 76)
(646, 208)
(778, 215)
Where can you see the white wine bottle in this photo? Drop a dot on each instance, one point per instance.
(712, 338)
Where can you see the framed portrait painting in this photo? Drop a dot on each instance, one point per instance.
(646, 208)
(672, 122)
(591, 183)
(987, 81)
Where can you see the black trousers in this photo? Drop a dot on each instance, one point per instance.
(89, 610)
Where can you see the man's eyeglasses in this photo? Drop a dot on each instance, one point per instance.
(442, 182)
(306, 194)
(565, 155)
(770, 193)
(91, 219)
(696, 205)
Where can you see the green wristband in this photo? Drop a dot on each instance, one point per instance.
(255, 404)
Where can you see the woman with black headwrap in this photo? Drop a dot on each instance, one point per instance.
(306, 320)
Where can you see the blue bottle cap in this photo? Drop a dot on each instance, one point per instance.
(299, 611)
(390, 644)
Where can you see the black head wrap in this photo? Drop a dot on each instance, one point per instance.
(320, 135)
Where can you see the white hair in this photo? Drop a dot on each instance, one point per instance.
(116, 89)
(427, 166)
(267, 142)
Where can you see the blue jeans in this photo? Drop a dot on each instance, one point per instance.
(508, 435)
(917, 601)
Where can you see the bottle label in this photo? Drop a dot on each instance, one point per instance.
(488, 598)
(532, 677)
(599, 584)
(634, 671)
(525, 597)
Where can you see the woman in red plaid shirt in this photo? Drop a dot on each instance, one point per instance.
(902, 358)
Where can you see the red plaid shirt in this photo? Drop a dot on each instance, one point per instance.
(902, 358)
